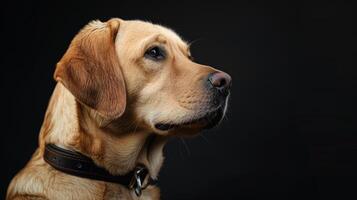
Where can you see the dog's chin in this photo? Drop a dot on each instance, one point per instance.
(190, 127)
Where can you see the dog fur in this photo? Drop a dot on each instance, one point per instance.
(105, 105)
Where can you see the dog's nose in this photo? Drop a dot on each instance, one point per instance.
(220, 80)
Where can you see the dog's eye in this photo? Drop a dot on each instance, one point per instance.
(155, 53)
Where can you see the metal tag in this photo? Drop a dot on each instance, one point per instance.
(138, 179)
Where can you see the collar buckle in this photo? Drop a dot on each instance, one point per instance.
(140, 173)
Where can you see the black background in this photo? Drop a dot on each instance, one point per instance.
(290, 129)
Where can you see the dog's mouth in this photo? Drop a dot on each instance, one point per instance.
(208, 121)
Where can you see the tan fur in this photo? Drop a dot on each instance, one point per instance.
(105, 105)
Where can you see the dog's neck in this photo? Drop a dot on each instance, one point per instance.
(68, 125)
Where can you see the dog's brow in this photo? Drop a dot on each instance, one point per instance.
(185, 49)
(154, 38)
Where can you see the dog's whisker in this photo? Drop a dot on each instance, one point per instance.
(194, 41)
(204, 138)
(225, 117)
(186, 146)
(181, 152)
(137, 124)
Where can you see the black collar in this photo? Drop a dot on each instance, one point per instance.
(77, 164)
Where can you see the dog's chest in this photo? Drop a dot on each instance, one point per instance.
(116, 192)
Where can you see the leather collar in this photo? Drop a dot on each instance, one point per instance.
(77, 164)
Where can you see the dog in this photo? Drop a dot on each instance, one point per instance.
(124, 87)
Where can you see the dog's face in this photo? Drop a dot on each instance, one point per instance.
(147, 73)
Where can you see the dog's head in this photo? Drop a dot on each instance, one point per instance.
(144, 73)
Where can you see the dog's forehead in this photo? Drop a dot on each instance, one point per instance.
(139, 29)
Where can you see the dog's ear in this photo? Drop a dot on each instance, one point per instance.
(90, 69)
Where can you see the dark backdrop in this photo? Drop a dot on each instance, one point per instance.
(290, 129)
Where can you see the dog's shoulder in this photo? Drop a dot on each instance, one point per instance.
(38, 180)
(30, 180)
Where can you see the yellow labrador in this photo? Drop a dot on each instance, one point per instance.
(124, 88)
